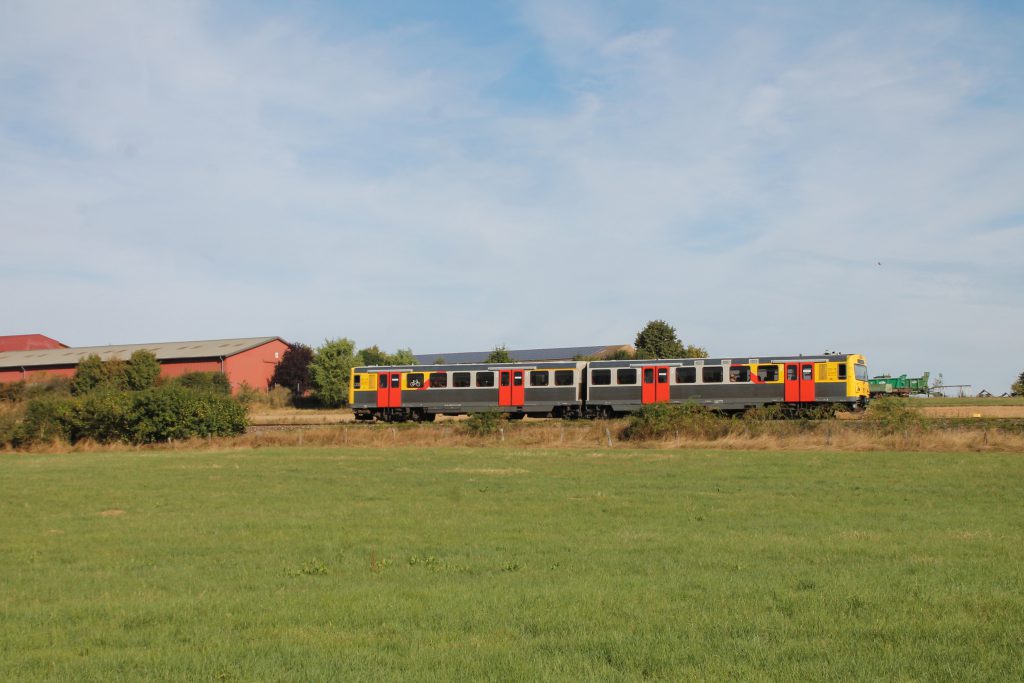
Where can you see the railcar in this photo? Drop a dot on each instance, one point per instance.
(422, 392)
(728, 384)
(608, 388)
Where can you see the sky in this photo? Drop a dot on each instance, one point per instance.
(769, 178)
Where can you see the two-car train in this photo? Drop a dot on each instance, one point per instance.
(573, 389)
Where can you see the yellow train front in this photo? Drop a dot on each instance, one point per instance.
(608, 388)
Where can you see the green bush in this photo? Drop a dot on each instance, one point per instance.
(11, 416)
(482, 424)
(48, 418)
(893, 414)
(213, 382)
(661, 420)
(158, 414)
(12, 392)
(175, 412)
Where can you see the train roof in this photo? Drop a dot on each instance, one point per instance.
(469, 367)
(734, 360)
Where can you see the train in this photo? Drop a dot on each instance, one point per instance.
(608, 388)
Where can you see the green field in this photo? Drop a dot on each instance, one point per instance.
(465, 564)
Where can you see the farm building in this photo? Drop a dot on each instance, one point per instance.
(28, 342)
(527, 355)
(248, 361)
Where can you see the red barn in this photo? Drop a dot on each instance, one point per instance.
(248, 361)
(28, 342)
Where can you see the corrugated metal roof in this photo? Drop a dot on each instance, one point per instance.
(520, 355)
(212, 348)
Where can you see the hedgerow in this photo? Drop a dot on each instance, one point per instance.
(158, 414)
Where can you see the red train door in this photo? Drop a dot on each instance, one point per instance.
(655, 384)
(389, 390)
(800, 382)
(510, 388)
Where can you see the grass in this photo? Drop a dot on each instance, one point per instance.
(504, 564)
(969, 401)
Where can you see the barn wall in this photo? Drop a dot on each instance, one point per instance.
(256, 366)
(40, 375)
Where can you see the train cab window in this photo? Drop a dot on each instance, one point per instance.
(768, 373)
(357, 383)
(686, 375)
(485, 379)
(438, 380)
(563, 378)
(860, 371)
(712, 373)
(460, 379)
(791, 372)
(539, 378)
(414, 380)
(739, 373)
(842, 371)
(808, 371)
(601, 377)
(625, 376)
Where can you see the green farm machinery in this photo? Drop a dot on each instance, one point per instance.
(887, 385)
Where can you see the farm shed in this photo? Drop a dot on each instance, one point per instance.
(248, 361)
(28, 342)
(527, 355)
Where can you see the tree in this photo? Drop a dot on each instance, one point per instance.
(403, 357)
(293, 370)
(1018, 386)
(372, 355)
(658, 340)
(93, 372)
(500, 354)
(330, 368)
(143, 371)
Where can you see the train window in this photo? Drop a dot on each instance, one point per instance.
(460, 379)
(648, 375)
(485, 379)
(563, 378)
(768, 373)
(686, 375)
(517, 378)
(438, 380)
(842, 371)
(396, 381)
(712, 373)
(357, 382)
(505, 379)
(808, 371)
(601, 377)
(739, 373)
(625, 376)
(662, 375)
(860, 372)
(790, 372)
(539, 378)
(414, 380)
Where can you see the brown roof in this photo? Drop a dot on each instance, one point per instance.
(213, 348)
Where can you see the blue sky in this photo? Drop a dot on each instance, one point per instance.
(453, 176)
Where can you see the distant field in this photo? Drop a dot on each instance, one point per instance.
(974, 401)
(470, 564)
